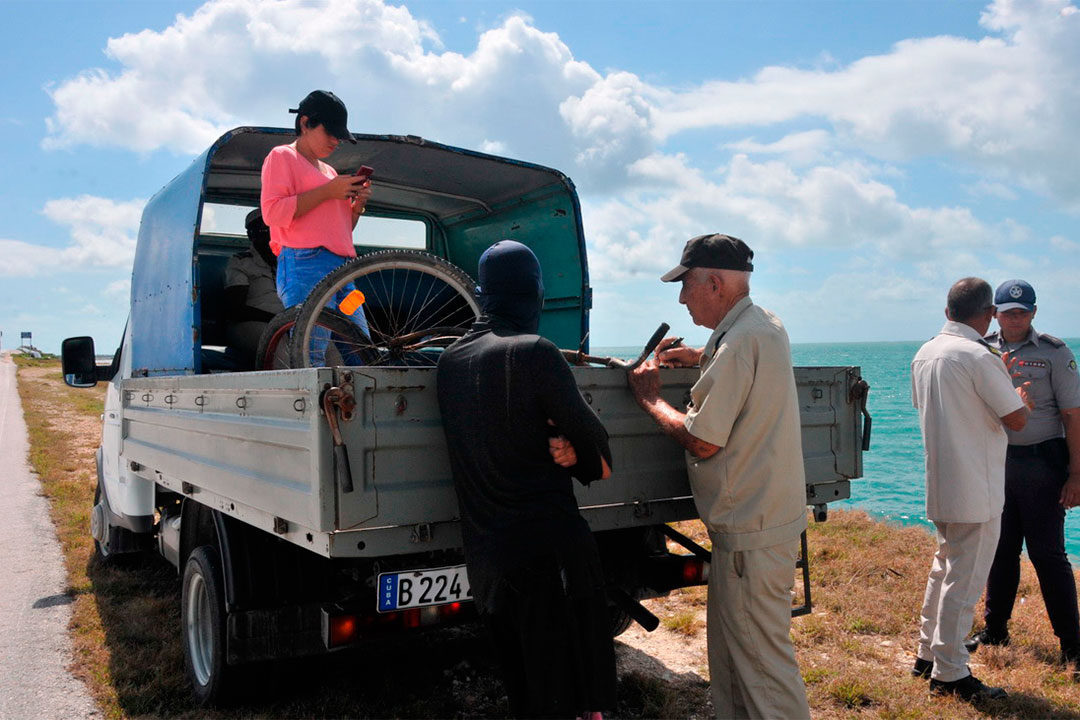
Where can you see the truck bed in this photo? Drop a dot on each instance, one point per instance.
(257, 446)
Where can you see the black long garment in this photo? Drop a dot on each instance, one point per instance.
(533, 564)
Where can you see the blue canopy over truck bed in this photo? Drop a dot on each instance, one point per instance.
(466, 201)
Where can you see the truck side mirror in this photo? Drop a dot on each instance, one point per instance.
(78, 362)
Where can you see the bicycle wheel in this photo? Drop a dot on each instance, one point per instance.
(345, 337)
(414, 303)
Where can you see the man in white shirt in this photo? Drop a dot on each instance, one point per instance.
(966, 400)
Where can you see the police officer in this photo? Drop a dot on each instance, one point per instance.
(1042, 475)
(251, 298)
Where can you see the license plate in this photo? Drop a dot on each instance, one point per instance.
(423, 588)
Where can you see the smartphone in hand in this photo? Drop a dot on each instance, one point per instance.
(364, 172)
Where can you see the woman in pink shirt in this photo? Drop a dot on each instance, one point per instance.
(310, 209)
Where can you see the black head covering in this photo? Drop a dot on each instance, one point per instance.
(511, 287)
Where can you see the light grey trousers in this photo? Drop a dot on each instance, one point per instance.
(962, 562)
(752, 667)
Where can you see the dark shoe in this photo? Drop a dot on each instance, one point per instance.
(1070, 658)
(967, 688)
(986, 637)
(922, 668)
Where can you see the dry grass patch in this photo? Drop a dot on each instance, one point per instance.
(687, 622)
(857, 647)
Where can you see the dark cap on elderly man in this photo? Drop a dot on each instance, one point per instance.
(328, 109)
(721, 252)
(1015, 295)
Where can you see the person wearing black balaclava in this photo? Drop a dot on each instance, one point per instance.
(532, 561)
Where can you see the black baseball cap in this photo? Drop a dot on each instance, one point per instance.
(328, 109)
(254, 222)
(721, 252)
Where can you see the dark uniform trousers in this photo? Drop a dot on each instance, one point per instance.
(1034, 476)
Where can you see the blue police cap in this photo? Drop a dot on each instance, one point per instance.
(1015, 295)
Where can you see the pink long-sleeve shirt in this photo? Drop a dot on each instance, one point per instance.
(285, 175)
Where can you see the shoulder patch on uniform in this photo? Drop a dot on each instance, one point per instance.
(1056, 342)
(1072, 364)
(992, 349)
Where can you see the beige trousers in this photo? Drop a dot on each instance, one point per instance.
(752, 667)
(962, 562)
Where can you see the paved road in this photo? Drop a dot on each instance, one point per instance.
(34, 648)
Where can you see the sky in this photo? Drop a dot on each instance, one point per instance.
(870, 152)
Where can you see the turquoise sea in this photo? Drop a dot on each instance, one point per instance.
(892, 486)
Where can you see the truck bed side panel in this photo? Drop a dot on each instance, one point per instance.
(261, 440)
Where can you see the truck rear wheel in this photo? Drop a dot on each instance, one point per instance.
(620, 621)
(202, 614)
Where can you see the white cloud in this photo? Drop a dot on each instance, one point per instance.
(118, 289)
(818, 176)
(1004, 103)
(21, 259)
(241, 62)
(103, 231)
(777, 209)
(988, 188)
(1063, 243)
(801, 148)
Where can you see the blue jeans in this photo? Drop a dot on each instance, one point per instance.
(299, 270)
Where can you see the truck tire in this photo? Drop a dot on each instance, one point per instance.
(414, 303)
(202, 618)
(99, 526)
(620, 621)
(113, 545)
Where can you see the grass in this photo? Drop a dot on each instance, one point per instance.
(123, 622)
(854, 649)
(686, 622)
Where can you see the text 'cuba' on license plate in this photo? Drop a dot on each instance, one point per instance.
(423, 588)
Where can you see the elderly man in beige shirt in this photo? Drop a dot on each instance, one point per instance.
(966, 400)
(743, 446)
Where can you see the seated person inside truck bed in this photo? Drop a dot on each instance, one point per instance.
(251, 295)
(310, 209)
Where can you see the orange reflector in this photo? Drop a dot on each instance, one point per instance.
(342, 630)
(352, 302)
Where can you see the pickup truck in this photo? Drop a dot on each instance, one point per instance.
(308, 509)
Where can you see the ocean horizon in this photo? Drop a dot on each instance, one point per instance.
(893, 484)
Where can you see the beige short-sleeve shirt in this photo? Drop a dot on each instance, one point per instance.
(752, 493)
(962, 391)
